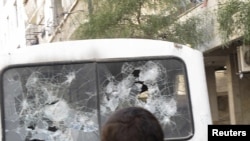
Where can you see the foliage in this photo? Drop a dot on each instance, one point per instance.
(190, 32)
(234, 18)
(129, 19)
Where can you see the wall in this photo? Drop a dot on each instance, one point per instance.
(12, 25)
(245, 98)
(76, 16)
(233, 93)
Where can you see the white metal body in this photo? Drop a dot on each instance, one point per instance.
(100, 49)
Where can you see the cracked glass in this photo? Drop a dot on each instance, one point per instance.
(158, 85)
(50, 103)
(70, 102)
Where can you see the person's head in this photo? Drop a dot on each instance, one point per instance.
(132, 124)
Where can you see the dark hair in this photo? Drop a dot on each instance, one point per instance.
(132, 124)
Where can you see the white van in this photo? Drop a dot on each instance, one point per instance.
(65, 91)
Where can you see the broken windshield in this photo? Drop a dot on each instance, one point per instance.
(70, 102)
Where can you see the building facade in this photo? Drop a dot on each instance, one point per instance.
(30, 22)
(12, 25)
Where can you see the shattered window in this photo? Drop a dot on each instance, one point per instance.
(157, 85)
(50, 103)
(70, 102)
